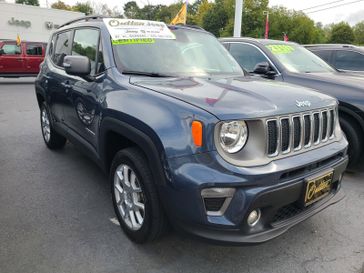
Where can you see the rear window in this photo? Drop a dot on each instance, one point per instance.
(62, 47)
(34, 50)
(11, 49)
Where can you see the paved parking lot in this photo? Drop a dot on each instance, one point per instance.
(56, 216)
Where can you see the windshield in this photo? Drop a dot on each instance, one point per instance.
(192, 53)
(298, 59)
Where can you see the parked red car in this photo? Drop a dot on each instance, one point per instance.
(20, 60)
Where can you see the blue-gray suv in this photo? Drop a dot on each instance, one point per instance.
(186, 138)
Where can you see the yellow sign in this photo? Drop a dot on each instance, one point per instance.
(134, 41)
(181, 16)
(281, 49)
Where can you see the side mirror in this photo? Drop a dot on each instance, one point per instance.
(77, 65)
(261, 68)
(1, 51)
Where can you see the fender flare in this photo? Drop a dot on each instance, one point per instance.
(347, 109)
(153, 151)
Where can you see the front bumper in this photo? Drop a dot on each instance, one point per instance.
(276, 189)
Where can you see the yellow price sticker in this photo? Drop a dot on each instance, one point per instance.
(134, 41)
(281, 49)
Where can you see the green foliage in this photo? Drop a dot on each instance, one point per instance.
(218, 18)
(83, 7)
(60, 5)
(298, 26)
(28, 2)
(341, 33)
(359, 33)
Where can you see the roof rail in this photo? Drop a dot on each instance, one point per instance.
(191, 26)
(84, 18)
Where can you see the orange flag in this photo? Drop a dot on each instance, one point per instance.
(181, 16)
(18, 40)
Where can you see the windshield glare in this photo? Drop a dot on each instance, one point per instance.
(298, 59)
(192, 53)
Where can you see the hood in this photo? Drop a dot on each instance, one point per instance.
(237, 98)
(345, 87)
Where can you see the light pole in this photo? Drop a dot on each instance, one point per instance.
(238, 15)
(266, 33)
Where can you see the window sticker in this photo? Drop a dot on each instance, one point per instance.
(129, 31)
(281, 49)
(134, 41)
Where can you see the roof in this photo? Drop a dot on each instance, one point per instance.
(256, 40)
(98, 18)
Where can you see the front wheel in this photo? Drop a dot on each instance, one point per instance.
(52, 139)
(135, 197)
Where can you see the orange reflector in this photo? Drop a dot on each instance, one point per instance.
(197, 133)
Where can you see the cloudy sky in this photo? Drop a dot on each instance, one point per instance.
(351, 13)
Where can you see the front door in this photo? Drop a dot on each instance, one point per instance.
(57, 80)
(11, 59)
(82, 113)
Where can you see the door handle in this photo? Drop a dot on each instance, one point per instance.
(66, 86)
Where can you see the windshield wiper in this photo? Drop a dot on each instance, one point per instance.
(149, 74)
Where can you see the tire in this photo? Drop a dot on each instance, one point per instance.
(52, 139)
(353, 135)
(142, 191)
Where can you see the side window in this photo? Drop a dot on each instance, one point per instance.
(34, 50)
(349, 60)
(100, 60)
(62, 47)
(11, 49)
(324, 54)
(85, 43)
(247, 56)
(51, 46)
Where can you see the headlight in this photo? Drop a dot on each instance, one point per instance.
(233, 136)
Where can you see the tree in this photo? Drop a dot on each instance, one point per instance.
(341, 33)
(60, 5)
(359, 33)
(83, 7)
(297, 25)
(28, 2)
(131, 10)
(216, 19)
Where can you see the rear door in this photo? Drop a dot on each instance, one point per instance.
(34, 55)
(11, 59)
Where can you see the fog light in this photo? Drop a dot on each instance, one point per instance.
(254, 217)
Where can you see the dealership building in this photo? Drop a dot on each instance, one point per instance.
(31, 23)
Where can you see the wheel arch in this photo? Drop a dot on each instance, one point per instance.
(113, 130)
(352, 112)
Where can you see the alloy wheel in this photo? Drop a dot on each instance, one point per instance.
(46, 128)
(129, 197)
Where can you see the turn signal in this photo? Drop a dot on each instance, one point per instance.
(197, 133)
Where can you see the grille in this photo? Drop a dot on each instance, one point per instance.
(298, 131)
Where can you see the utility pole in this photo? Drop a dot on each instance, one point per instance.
(238, 15)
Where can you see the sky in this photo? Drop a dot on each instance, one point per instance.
(352, 13)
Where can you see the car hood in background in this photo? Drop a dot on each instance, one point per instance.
(343, 86)
(235, 98)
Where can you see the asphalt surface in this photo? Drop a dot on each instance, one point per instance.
(56, 215)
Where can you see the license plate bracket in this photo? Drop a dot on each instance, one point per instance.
(317, 187)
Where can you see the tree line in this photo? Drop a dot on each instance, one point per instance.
(218, 18)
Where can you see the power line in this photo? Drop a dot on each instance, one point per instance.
(344, 4)
(318, 6)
